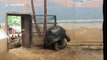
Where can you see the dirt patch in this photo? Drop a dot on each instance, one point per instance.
(69, 53)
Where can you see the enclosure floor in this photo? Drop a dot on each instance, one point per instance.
(68, 53)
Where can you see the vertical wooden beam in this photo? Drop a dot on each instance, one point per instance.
(34, 17)
(45, 15)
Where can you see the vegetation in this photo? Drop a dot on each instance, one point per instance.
(14, 20)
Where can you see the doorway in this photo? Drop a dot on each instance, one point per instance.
(19, 30)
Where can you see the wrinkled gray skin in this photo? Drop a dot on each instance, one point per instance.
(55, 38)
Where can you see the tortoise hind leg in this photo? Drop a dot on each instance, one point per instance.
(55, 46)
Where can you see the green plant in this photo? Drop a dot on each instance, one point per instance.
(14, 20)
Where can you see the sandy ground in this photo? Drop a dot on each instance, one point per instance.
(71, 52)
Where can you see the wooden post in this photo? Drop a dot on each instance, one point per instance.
(45, 15)
(34, 17)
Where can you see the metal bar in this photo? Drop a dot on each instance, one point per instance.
(55, 21)
(34, 17)
(45, 15)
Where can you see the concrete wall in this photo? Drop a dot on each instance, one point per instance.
(3, 45)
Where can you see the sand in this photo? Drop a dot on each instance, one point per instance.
(71, 52)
